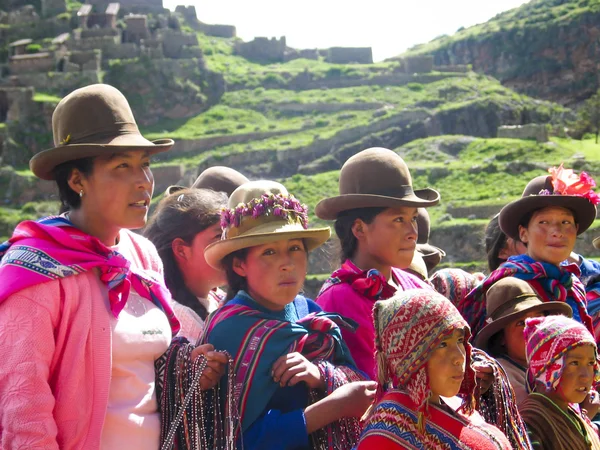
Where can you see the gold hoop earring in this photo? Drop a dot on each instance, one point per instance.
(81, 193)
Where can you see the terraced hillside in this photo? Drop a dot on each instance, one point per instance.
(299, 121)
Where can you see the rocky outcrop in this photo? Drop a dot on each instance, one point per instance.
(555, 60)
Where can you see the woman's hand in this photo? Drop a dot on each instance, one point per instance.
(292, 368)
(484, 377)
(591, 404)
(355, 398)
(215, 365)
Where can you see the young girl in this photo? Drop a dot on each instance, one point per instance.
(547, 219)
(293, 372)
(181, 228)
(424, 356)
(375, 220)
(509, 302)
(563, 366)
(84, 313)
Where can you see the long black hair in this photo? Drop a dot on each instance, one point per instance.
(183, 215)
(343, 228)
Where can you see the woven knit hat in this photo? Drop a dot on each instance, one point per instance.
(92, 121)
(408, 327)
(260, 212)
(548, 339)
(455, 284)
(217, 178)
(376, 177)
(506, 300)
(562, 188)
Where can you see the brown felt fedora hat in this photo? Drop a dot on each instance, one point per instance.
(506, 300)
(376, 177)
(430, 254)
(92, 121)
(539, 193)
(217, 178)
(260, 212)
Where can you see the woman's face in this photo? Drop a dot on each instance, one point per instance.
(550, 235)
(117, 193)
(578, 374)
(446, 366)
(391, 238)
(198, 275)
(274, 272)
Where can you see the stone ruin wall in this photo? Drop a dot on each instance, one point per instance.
(536, 131)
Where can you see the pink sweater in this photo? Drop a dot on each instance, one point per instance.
(345, 301)
(55, 359)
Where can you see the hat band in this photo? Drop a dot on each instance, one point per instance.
(249, 223)
(499, 312)
(404, 190)
(98, 134)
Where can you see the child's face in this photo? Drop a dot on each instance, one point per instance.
(514, 340)
(446, 366)
(392, 237)
(274, 272)
(578, 374)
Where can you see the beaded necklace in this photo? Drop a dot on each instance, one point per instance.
(192, 418)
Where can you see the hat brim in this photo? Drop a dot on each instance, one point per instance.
(512, 214)
(216, 251)
(482, 339)
(431, 254)
(596, 242)
(43, 163)
(174, 188)
(330, 208)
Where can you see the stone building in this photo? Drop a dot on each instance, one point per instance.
(262, 49)
(35, 62)
(88, 19)
(536, 131)
(137, 28)
(350, 55)
(190, 16)
(177, 44)
(19, 47)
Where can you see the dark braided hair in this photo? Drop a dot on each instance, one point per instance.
(343, 228)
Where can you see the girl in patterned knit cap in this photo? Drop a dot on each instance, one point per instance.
(423, 355)
(563, 365)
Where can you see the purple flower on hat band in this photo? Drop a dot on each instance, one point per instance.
(268, 204)
(545, 192)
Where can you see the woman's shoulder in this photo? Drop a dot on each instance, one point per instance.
(141, 250)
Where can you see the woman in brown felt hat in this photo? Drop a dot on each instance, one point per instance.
(82, 300)
(294, 375)
(548, 217)
(508, 303)
(376, 222)
(185, 222)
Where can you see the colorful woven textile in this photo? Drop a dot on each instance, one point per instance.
(455, 284)
(408, 327)
(394, 424)
(257, 338)
(550, 282)
(368, 283)
(554, 429)
(548, 339)
(52, 248)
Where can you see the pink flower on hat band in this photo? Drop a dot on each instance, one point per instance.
(566, 182)
(286, 207)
